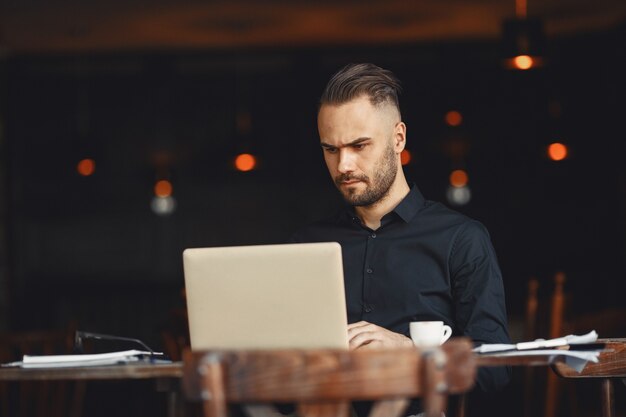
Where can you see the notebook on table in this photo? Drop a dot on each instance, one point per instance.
(266, 297)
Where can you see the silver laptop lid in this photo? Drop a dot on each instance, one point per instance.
(266, 297)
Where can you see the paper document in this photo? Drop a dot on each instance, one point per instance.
(575, 359)
(590, 337)
(110, 358)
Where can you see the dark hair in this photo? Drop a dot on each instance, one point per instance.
(354, 80)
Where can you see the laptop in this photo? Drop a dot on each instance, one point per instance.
(266, 297)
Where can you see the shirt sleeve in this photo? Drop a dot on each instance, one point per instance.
(478, 294)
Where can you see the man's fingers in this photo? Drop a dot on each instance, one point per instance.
(361, 339)
(374, 344)
(358, 324)
(364, 334)
(362, 326)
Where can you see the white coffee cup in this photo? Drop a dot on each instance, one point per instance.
(429, 333)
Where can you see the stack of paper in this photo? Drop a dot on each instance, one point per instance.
(66, 361)
(581, 349)
(590, 337)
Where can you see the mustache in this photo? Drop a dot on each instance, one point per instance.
(350, 177)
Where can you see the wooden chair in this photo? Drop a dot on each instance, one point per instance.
(322, 382)
(611, 366)
(556, 330)
(610, 322)
(530, 333)
(48, 398)
(175, 335)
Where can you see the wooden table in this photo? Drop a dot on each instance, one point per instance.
(129, 371)
(611, 366)
(167, 377)
(494, 360)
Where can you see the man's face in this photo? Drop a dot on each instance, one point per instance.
(361, 144)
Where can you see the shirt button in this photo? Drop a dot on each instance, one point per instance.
(373, 235)
(369, 270)
(368, 309)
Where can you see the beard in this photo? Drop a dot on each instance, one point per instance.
(385, 171)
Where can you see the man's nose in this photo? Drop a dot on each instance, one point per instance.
(346, 161)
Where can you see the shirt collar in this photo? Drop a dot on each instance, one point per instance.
(408, 208)
(410, 205)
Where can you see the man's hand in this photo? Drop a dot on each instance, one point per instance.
(364, 335)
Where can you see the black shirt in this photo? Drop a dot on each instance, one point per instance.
(424, 262)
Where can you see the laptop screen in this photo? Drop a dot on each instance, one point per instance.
(266, 297)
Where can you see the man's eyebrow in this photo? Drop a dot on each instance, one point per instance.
(354, 142)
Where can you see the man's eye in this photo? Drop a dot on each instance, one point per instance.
(330, 150)
(359, 146)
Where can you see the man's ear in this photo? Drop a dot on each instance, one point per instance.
(399, 137)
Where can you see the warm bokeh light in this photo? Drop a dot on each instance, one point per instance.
(245, 162)
(458, 178)
(163, 188)
(86, 167)
(454, 118)
(523, 62)
(557, 151)
(405, 157)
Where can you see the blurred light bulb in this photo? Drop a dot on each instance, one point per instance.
(163, 206)
(163, 188)
(454, 118)
(557, 151)
(458, 178)
(405, 157)
(245, 162)
(86, 167)
(523, 62)
(459, 196)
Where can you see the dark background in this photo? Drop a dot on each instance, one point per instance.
(89, 250)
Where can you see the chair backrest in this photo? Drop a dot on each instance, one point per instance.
(608, 322)
(13, 346)
(39, 398)
(322, 382)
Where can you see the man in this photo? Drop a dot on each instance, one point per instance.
(405, 258)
